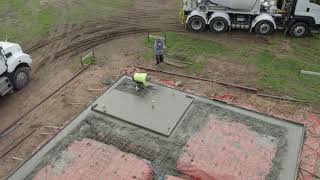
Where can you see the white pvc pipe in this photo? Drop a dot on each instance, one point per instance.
(309, 73)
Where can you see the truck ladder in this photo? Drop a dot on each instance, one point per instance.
(5, 86)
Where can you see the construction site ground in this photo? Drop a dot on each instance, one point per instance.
(210, 140)
(118, 46)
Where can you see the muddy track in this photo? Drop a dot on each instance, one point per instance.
(144, 16)
(94, 36)
(78, 40)
(69, 40)
(79, 46)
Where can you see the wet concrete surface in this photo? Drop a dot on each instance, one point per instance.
(155, 107)
(166, 150)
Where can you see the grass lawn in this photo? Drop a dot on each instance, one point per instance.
(24, 20)
(279, 68)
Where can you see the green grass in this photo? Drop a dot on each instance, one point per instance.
(281, 74)
(279, 69)
(193, 49)
(24, 20)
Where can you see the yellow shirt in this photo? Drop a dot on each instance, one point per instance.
(141, 77)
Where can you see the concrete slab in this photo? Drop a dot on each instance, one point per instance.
(156, 108)
(288, 135)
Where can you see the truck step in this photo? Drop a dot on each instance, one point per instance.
(5, 86)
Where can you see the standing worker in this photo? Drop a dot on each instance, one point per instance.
(141, 80)
(159, 52)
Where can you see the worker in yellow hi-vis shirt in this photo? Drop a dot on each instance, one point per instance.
(141, 80)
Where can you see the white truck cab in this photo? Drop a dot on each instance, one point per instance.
(308, 8)
(296, 17)
(305, 16)
(15, 67)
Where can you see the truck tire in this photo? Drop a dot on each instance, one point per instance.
(299, 29)
(196, 24)
(219, 25)
(264, 28)
(21, 77)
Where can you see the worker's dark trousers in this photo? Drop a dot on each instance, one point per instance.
(159, 59)
(140, 85)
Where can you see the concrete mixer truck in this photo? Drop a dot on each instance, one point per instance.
(15, 67)
(294, 17)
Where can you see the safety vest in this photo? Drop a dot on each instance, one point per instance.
(141, 77)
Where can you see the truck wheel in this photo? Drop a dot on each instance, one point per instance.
(196, 24)
(219, 25)
(21, 77)
(299, 29)
(264, 28)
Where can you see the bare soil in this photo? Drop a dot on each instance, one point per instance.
(59, 109)
(117, 42)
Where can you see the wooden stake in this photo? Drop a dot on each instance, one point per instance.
(95, 89)
(46, 133)
(52, 127)
(76, 103)
(282, 98)
(15, 158)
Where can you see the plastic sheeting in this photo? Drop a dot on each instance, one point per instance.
(89, 159)
(310, 156)
(227, 150)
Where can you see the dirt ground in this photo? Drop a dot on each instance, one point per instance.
(116, 45)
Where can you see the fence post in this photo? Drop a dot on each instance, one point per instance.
(165, 39)
(93, 54)
(81, 61)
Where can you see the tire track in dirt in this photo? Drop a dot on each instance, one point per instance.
(69, 40)
(144, 16)
(94, 33)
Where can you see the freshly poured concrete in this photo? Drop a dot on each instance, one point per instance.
(197, 113)
(156, 107)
